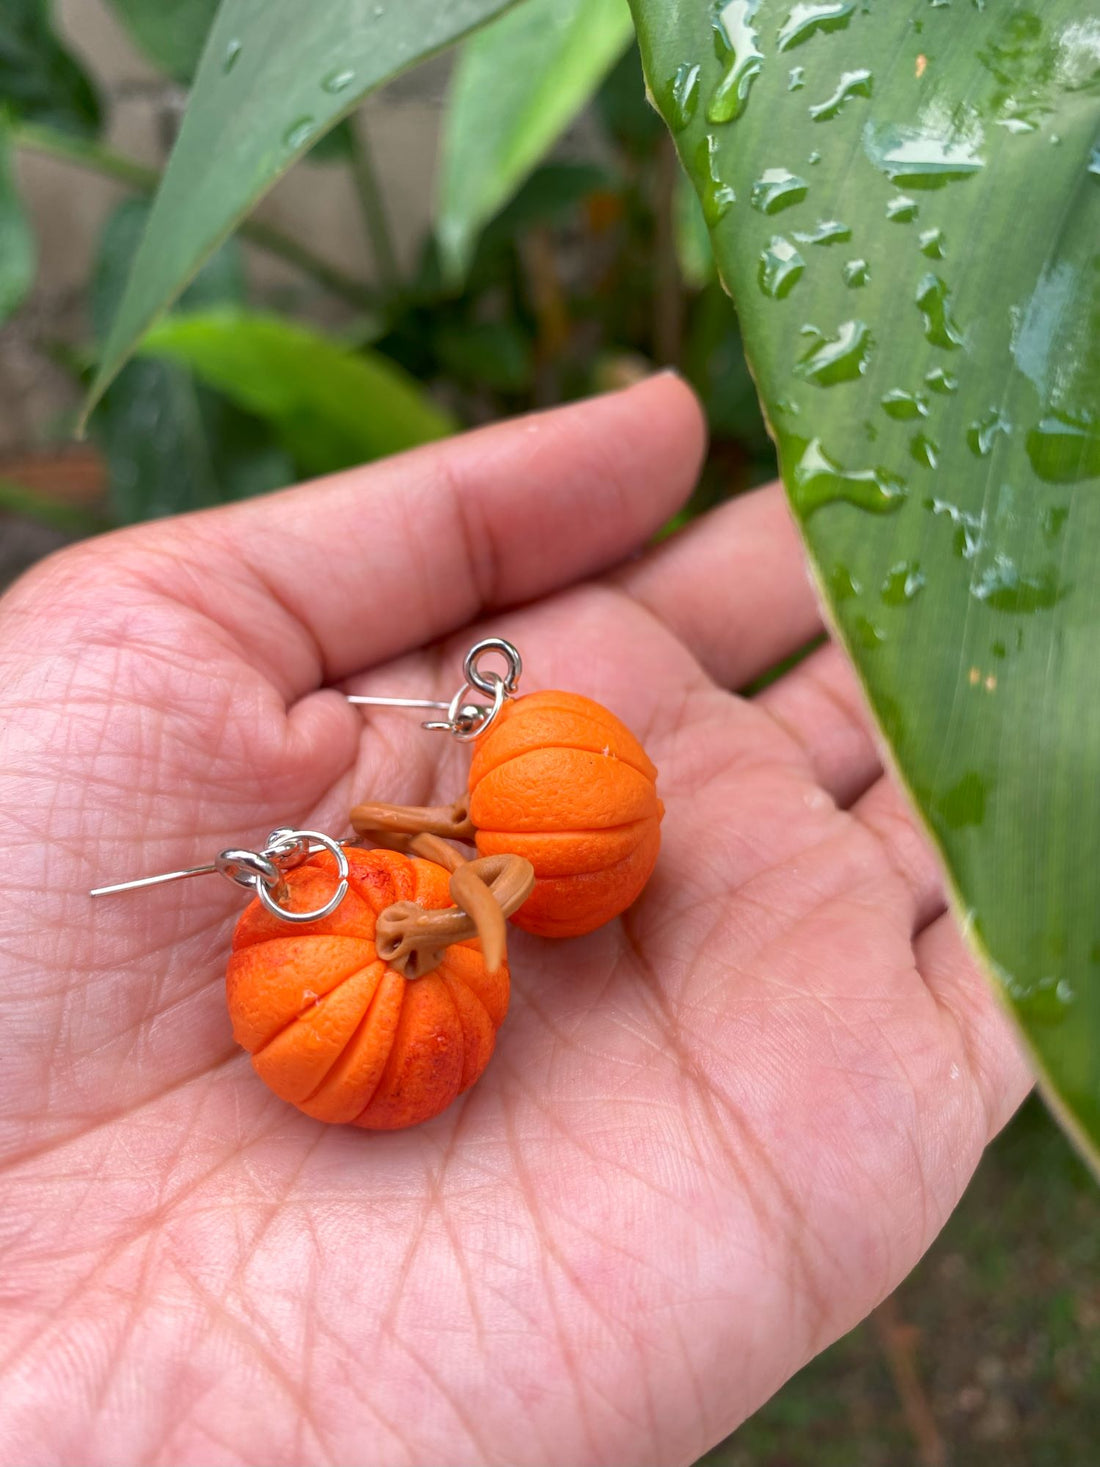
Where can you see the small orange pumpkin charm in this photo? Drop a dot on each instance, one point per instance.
(557, 780)
(560, 780)
(341, 1032)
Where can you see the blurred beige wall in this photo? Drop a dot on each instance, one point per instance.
(69, 206)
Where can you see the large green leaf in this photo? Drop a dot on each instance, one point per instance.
(905, 204)
(517, 87)
(39, 81)
(170, 32)
(17, 251)
(332, 407)
(170, 443)
(275, 76)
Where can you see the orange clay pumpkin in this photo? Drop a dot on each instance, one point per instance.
(337, 1031)
(560, 780)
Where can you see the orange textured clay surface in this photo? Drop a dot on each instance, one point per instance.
(333, 1029)
(560, 780)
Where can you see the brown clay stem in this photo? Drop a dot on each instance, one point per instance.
(452, 822)
(486, 891)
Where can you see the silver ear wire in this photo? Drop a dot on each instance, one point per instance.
(466, 720)
(261, 872)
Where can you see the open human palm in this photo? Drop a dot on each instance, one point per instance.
(714, 1133)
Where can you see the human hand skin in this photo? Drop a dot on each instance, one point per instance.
(714, 1134)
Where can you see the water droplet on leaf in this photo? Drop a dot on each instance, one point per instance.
(933, 244)
(338, 81)
(682, 96)
(904, 406)
(827, 232)
(806, 20)
(1064, 448)
(233, 50)
(945, 383)
(934, 300)
(1004, 588)
(852, 84)
(903, 582)
(922, 159)
(818, 480)
(839, 358)
(781, 268)
(902, 209)
(737, 45)
(777, 189)
(842, 584)
(969, 527)
(867, 634)
(299, 132)
(1054, 518)
(924, 450)
(856, 274)
(982, 434)
(715, 195)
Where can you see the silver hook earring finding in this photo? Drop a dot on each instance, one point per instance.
(467, 720)
(261, 872)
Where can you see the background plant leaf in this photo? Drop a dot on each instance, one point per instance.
(275, 76)
(170, 443)
(170, 32)
(39, 80)
(517, 86)
(331, 407)
(17, 244)
(905, 203)
(692, 237)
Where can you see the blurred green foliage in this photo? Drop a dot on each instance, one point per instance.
(582, 271)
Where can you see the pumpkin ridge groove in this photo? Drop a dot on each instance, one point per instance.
(256, 1053)
(353, 1036)
(384, 1076)
(566, 744)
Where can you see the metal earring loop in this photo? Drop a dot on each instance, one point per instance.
(288, 846)
(485, 682)
(466, 720)
(261, 872)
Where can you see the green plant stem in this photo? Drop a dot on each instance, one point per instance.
(108, 164)
(368, 190)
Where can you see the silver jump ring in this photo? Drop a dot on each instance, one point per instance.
(291, 848)
(253, 869)
(461, 725)
(486, 682)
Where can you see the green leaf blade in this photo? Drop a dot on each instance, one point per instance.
(332, 407)
(936, 358)
(172, 444)
(275, 76)
(517, 86)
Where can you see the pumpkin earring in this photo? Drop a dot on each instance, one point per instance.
(555, 778)
(368, 986)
